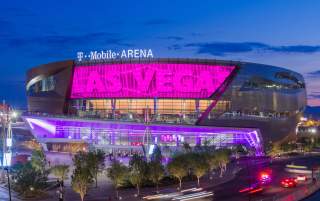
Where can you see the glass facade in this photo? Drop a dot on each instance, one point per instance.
(43, 85)
(175, 111)
(109, 135)
(261, 92)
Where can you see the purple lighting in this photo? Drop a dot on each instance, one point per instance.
(151, 80)
(106, 133)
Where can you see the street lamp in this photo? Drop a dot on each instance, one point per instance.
(6, 116)
(9, 186)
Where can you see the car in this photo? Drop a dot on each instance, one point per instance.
(264, 178)
(288, 182)
(301, 178)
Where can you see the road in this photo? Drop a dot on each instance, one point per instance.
(229, 191)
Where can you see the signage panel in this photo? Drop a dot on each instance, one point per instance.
(150, 80)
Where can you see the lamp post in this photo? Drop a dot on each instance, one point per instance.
(6, 116)
(9, 186)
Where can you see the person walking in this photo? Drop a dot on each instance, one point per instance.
(60, 194)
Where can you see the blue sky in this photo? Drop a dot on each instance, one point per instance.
(277, 32)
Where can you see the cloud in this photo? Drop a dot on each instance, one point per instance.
(65, 41)
(174, 47)
(314, 95)
(175, 38)
(157, 22)
(296, 49)
(223, 48)
(314, 73)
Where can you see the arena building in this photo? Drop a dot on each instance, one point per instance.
(124, 104)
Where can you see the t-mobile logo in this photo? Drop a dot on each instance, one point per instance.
(79, 56)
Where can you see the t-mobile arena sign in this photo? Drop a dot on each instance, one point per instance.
(150, 80)
(110, 54)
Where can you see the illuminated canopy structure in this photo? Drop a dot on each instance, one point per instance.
(131, 135)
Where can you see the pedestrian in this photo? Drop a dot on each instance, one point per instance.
(60, 195)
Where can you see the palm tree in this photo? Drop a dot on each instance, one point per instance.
(60, 171)
(156, 173)
(178, 167)
(117, 172)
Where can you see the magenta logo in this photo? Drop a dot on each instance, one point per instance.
(148, 80)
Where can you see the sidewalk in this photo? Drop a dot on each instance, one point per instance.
(4, 194)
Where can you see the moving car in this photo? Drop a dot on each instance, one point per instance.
(301, 178)
(288, 182)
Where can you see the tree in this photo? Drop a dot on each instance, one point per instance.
(155, 167)
(138, 171)
(178, 167)
(157, 154)
(212, 161)
(29, 181)
(156, 172)
(223, 158)
(81, 177)
(274, 149)
(31, 178)
(186, 147)
(38, 160)
(117, 172)
(60, 171)
(96, 163)
(199, 165)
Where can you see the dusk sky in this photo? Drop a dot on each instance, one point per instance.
(284, 33)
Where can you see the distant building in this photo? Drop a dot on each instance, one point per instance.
(123, 104)
(308, 128)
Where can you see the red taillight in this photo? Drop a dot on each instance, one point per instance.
(256, 190)
(245, 189)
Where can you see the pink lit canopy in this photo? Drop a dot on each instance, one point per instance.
(161, 80)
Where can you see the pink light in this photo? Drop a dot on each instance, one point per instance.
(167, 138)
(148, 80)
